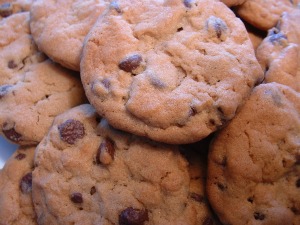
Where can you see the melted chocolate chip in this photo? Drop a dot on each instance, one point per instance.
(6, 10)
(93, 190)
(12, 135)
(26, 183)
(71, 130)
(259, 216)
(106, 83)
(208, 221)
(217, 26)
(298, 183)
(11, 64)
(131, 216)
(106, 152)
(197, 197)
(76, 197)
(4, 89)
(187, 3)
(20, 156)
(130, 63)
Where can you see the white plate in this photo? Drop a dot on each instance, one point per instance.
(6, 150)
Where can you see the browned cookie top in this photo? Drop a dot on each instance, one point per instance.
(173, 71)
(254, 163)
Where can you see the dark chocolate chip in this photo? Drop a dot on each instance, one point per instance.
(197, 197)
(187, 3)
(71, 130)
(259, 216)
(11, 64)
(12, 135)
(130, 63)
(20, 156)
(208, 221)
(6, 10)
(76, 197)
(298, 183)
(26, 183)
(4, 89)
(192, 111)
(93, 190)
(106, 83)
(217, 25)
(250, 199)
(131, 216)
(221, 186)
(179, 29)
(106, 152)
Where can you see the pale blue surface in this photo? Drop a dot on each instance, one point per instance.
(6, 150)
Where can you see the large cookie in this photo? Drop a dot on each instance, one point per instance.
(254, 163)
(173, 71)
(89, 173)
(33, 90)
(59, 27)
(264, 14)
(16, 205)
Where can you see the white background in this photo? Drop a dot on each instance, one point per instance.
(6, 150)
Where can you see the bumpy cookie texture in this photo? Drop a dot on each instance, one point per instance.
(280, 59)
(105, 176)
(265, 14)
(254, 163)
(173, 71)
(33, 89)
(16, 189)
(9, 7)
(59, 27)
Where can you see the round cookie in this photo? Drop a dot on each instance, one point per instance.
(280, 59)
(254, 162)
(88, 173)
(9, 7)
(264, 14)
(172, 71)
(59, 27)
(16, 189)
(33, 89)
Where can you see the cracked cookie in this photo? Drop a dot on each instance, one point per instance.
(173, 71)
(89, 173)
(16, 189)
(33, 89)
(59, 27)
(254, 162)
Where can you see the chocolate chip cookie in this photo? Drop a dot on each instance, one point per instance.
(254, 162)
(33, 89)
(89, 173)
(16, 189)
(59, 27)
(172, 71)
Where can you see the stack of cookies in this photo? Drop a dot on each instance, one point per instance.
(150, 112)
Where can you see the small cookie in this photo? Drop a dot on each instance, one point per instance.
(33, 89)
(59, 27)
(89, 173)
(172, 71)
(280, 59)
(264, 14)
(9, 7)
(231, 3)
(16, 205)
(254, 162)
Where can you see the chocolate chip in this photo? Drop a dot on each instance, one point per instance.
(20, 156)
(11, 64)
(277, 37)
(131, 216)
(179, 29)
(4, 89)
(298, 183)
(197, 197)
(208, 221)
(187, 3)
(259, 216)
(192, 111)
(130, 63)
(106, 83)
(11, 133)
(71, 130)
(93, 190)
(76, 197)
(6, 9)
(115, 6)
(26, 183)
(106, 152)
(217, 27)
(250, 199)
(221, 186)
